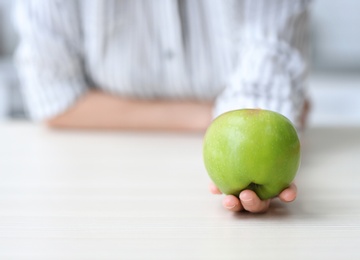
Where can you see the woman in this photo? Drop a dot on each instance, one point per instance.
(162, 64)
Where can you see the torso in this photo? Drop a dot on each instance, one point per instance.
(162, 49)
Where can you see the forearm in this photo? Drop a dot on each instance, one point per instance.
(270, 73)
(97, 110)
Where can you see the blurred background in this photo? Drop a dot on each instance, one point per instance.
(334, 82)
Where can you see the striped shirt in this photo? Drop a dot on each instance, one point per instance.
(239, 54)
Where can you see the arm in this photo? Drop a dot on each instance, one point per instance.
(97, 110)
(48, 58)
(271, 69)
(270, 74)
(49, 63)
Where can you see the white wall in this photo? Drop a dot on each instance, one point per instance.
(336, 34)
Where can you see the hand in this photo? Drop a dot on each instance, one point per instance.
(249, 201)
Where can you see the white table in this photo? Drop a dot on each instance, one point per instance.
(93, 195)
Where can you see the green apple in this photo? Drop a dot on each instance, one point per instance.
(252, 149)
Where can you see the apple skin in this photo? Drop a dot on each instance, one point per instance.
(252, 149)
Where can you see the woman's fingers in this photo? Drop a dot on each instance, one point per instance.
(252, 203)
(289, 194)
(249, 201)
(232, 203)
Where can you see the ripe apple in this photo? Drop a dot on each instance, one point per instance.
(252, 149)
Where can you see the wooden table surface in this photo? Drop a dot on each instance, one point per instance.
(108, 195)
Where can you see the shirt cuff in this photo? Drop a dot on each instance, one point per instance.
(51, 100)
(292, 107)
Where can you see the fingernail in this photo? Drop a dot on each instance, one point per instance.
(229, 203)
(246, 199)
(230, 206)
(288, 197)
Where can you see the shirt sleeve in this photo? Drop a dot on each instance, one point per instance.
(270, 69)
(48, 58)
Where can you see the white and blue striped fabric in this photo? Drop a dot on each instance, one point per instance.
(248, 53)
